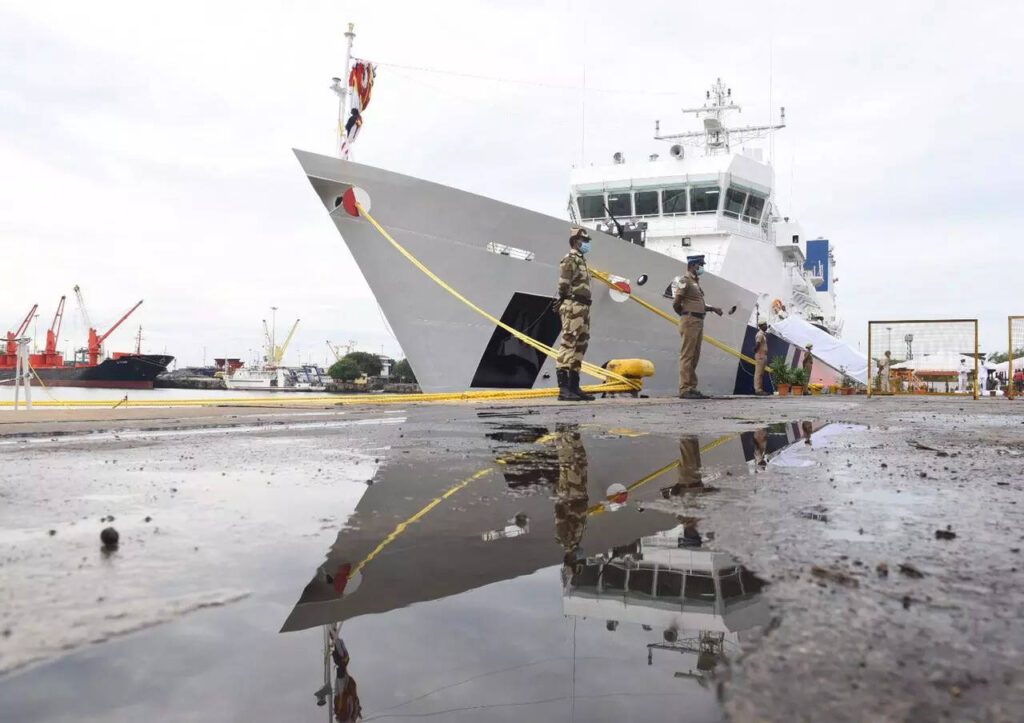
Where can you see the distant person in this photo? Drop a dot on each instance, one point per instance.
(688, 302)
(574, 301)
(808, 361)
(962, 386)
(1018, 381)
(885, 365)
(760, 357)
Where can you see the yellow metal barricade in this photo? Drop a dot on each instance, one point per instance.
(927, 357)
(1013, 384)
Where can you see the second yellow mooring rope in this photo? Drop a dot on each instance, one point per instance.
(603, 276)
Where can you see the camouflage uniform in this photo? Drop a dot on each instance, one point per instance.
(571, 505)
(760, 359)
(574, 310)
(689, 300)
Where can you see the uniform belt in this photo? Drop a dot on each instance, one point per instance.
(698, 314)
(585, 300)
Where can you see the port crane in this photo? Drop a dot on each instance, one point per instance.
(53, 333)
(12, 337)
(349, 348)
(275, 354)
(95, 348)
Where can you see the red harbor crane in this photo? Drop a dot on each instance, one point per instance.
(12, 345)
(96, 340)
(50, 357)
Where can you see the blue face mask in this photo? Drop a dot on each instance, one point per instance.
(700, 271)
(585, 247)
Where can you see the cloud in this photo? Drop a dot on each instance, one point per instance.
(147, 150)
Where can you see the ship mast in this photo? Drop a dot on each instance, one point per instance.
(341, 88)
(718, 137)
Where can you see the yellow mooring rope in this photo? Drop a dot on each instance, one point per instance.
(591, 369)
(603, 276)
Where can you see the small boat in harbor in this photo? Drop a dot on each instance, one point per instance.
(271, 375)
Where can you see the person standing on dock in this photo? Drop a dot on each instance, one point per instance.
(574, 310)
(808, 360)
(760, 357)
(689, 304)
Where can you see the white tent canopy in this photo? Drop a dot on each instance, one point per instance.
(1004, 367)
(942, 361)
(837, 354)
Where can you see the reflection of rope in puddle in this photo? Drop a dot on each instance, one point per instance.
(602, 506)
(402, 526)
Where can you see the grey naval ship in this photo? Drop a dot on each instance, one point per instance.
(646, 218)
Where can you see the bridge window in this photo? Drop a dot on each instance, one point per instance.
(620, 204)
(704, 199)
(591, 206)
(734, 201)
(673, 200)
(755, 206)
(646, 203)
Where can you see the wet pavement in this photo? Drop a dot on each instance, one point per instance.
(735, 559)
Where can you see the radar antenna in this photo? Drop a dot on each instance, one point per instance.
(717, 137)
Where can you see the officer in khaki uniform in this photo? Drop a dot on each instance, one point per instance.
(574, 309)
(808, 361)
(760, 357)
(689, 304)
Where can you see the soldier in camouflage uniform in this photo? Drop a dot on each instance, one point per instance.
(574, 309)
(572, 501)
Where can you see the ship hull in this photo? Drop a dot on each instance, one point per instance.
(452, 348)
(136, 371)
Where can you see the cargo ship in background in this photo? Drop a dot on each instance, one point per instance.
(91, 367)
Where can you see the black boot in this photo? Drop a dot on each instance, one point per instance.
(574, 384)
(565, 391)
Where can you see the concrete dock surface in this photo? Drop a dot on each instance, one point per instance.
(888, 532)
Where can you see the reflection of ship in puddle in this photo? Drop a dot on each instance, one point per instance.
(423, 532)
(702, 601)
(627, 556)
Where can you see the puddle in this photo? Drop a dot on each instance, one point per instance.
(548, 573)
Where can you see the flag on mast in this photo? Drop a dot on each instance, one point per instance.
(360, 80)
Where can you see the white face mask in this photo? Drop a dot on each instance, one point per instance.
(700, 271)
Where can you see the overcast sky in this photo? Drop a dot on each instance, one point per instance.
(146, 149)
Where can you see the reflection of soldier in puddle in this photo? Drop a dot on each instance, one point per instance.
(571, 504)
(807, 430)
(760, 438)
(346, 697)
(689, 474)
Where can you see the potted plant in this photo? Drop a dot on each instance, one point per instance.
(780, 372)
(799, 379)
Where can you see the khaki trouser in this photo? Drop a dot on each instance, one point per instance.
(691, 329)
(759, 364)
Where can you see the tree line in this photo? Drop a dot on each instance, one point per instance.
(357, 363)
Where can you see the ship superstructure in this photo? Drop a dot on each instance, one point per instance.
(714, 195)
